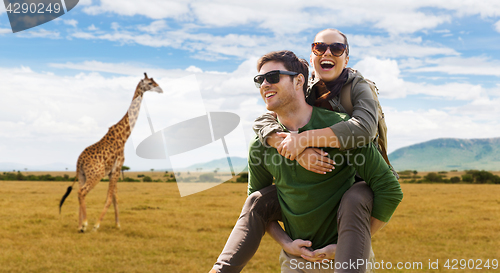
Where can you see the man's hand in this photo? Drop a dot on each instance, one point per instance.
(292, 145)
(316, 160)
(298, 248)
(322, 254)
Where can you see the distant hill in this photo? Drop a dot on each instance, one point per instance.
(237, 162)
(447, 154)
(10, 166)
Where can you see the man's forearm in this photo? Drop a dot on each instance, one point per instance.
(279, 235)
(376, 225)
(321, 138)
(295, 247)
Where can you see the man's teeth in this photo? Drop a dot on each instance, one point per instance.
(270, 94)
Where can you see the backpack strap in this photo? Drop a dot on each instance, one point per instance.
(345, 98)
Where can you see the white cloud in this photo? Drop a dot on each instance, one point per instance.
(154, 27)
(40, 33)
(115, 26)
(207, 46)
(51, 118)
(194, 69)
(395, 17)
(71, 22)
(395, 47)
(410, 127)
(449, 91)
(85, 2)
(58, 112)
(497, 26)
(409, 22)
(156, 9)
(204, 46)
(116, 68)
(487, 8)
(5, 30)
(386, 74)
(461, 66)
(483, 109)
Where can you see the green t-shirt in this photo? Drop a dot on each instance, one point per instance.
(310, 201)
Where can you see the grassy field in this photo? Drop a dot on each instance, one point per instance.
(162, 232)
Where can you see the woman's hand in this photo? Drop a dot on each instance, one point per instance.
(298, 248)
(292, 145)
(316, 160)
(326, 253)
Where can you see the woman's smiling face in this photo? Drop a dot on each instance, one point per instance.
(327, 66)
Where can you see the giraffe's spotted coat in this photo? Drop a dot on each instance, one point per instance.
(106, 157)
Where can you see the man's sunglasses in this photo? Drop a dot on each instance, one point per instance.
(272, 77)
(337, 49)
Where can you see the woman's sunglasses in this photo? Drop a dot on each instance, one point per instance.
(272, 77)
(337, 49)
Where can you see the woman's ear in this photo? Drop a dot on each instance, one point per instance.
(346, 61)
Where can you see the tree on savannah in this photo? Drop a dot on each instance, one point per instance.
(124, 168)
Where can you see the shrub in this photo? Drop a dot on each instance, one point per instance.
(171, 179)
(147, 179)
(129, 179)
(455, 179)
(481, 177)
(243, 178)
(405, 172)
(467, 178)
(208, 177)
(433, 177)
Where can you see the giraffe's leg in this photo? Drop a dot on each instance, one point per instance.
(115, 204)
(83, 210)
(85, 188)
(113, 179)
(121, 159)
(81, 180)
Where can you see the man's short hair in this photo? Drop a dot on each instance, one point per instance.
(289, 60)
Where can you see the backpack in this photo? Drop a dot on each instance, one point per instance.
(381, 138)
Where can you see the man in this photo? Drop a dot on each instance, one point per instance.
(311, 202)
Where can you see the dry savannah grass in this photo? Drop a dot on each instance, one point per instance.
(162, 232)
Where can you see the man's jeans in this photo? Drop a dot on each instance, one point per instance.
(262, 207)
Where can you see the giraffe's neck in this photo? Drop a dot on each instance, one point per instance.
(127, 123)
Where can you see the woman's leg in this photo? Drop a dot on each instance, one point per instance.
(260, 208)
(354, 228)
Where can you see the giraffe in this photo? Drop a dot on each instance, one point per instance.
(106, 157)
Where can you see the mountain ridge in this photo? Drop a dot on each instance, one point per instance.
(446, 154)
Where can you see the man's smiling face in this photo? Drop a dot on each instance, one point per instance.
(278, 94)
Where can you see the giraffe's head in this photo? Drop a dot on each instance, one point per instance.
(148, 84)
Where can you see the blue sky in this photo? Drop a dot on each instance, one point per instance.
(436, 63)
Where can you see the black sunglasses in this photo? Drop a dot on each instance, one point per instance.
(272, 77)
(337, 49)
